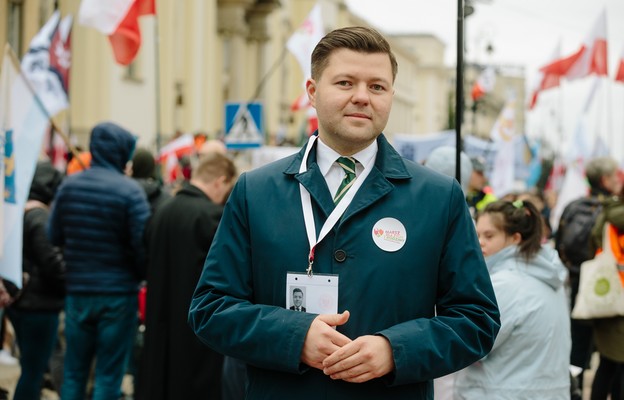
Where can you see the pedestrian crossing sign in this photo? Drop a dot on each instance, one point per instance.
(243, 125)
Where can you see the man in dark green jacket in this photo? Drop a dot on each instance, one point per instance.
(400, 244)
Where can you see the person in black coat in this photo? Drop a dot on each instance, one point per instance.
(175, 364)
(144, 172)
(35, 311)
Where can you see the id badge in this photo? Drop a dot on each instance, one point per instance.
(317, 294)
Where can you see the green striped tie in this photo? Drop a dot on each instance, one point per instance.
(348, 165)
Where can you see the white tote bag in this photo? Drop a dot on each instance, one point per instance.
(600, 294)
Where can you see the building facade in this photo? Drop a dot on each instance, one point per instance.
(198, 55)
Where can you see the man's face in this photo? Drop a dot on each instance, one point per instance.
(477, 181)
(297, 299)
(612, 183)
(353, 98)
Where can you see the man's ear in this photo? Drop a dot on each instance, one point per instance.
(311, 91)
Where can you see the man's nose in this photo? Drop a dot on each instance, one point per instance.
(361, 93)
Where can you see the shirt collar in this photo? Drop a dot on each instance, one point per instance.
(326, 156)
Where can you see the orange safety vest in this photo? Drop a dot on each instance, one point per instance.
(617, 247)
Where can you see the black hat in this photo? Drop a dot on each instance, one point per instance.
(45, 182)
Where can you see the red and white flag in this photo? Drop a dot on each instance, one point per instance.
(301, 103)
(619, 76)
(484, 83)
(178, 147)
(591, 58)
(545, 80)
(302, 42)
(119, 19)
(171, 153)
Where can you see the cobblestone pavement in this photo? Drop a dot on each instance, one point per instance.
(9, 374)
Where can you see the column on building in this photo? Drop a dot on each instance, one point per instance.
(258, 38)
(233, 29)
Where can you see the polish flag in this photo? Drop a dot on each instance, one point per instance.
(119, 20)
(169, 156)
(178, 147)
(591, 58)
(545, 80)
(619, 76)
(302, 102)
(484, 84)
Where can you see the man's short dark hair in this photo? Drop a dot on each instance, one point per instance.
(295, 290)
(356, 38)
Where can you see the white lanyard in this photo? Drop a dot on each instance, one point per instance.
(306, 203)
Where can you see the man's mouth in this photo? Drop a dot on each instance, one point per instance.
(358, 115)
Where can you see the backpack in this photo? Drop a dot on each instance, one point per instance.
(573, 234)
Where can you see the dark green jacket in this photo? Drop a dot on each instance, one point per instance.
(612, 212)
(609, 332)
(239, 305)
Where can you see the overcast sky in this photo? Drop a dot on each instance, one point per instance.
(521, 32)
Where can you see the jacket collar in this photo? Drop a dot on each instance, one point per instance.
(192, 191)
(388, 166)
(388, 161)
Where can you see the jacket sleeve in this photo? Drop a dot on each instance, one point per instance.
(467, 318)
(138, 215)
(223, 312)
(53, 229)
(614, 213)
(49, 258)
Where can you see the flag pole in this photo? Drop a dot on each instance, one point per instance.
(16, 63)
(157, 83)
(269, 73)
(610, 137)
(459, 87)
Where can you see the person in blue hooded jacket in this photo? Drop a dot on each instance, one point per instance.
(395, 250)
(98, 218)
(531, 354)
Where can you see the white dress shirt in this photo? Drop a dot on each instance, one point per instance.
(334, 174)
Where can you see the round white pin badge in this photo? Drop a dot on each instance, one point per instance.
(389, 234)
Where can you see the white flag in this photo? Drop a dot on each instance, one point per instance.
(574, 186)
(302, 42)
(22, 125)
(503, 134)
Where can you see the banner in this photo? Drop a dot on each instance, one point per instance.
(417, 147)
(23, 121)
(47, 63)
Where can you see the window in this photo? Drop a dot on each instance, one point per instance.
(15, 17)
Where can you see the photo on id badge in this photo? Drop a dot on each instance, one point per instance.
(317, 294)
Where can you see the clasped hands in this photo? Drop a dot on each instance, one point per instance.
(356, 361)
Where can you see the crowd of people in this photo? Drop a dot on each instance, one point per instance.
(342, 271)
